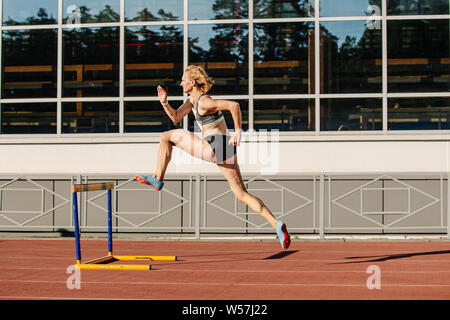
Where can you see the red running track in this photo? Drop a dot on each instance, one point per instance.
(221, 270)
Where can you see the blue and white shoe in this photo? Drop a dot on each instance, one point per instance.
(283, 235)
(151, 181)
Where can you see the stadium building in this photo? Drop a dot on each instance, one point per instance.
(345, 107)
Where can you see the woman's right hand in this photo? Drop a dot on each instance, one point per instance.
(162, 95)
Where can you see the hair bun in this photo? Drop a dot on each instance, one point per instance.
(200, 76)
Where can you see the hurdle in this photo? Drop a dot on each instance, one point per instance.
(103, 262)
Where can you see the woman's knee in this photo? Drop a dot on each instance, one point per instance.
(254, 202)
(168, 137)
(243, 196)
(240, 194)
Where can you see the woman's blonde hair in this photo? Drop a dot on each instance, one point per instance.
(197, 73)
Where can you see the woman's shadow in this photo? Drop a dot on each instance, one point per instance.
(382, 258)
(220, 258)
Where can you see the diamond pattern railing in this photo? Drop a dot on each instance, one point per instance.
(32, 186)
(315, 204)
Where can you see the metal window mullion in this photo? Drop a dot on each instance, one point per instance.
(31, 27)
(185, 51)
(151, 98)
(418, 94)
(1, 80)
(91, 25)
(349, 18)
(317, 65)
(220, 21)
(283, 96)
(91, 99)
(152, 23)
(251, 66)
(350, 95)
(60, 70)
(418, 17)
(122, 68)
(26, 100)
(278, 20)
(384, 16)
(384, 64)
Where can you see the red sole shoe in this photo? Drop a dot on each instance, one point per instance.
(143, 181)
(287, 238)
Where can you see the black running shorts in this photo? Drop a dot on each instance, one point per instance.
(221, 147)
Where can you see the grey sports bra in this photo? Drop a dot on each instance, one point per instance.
(209, 119)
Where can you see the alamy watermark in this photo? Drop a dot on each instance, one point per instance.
(374, 280)
(74, 279)
(372, 23)
(74, 15)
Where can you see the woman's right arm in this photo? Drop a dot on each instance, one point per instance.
(175, 115)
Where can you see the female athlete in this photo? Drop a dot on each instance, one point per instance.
(217, 145)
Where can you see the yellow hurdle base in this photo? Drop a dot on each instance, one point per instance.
(149, 258)
(102, 263)
(93, 266)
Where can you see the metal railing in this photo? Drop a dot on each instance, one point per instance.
(321, 204)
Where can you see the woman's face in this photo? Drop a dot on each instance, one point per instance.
(187, 83)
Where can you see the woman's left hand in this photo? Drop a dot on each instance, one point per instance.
(235, 139)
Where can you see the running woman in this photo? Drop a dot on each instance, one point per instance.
(217, 145)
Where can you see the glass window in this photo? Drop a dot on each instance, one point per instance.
(351, 114)
(153, 56)
(408, 7)
(192, 124)
(356, 8)
(26, 12)
(91, 62)
(418, 55)
(419, 114)
(351, 57)
(153, 10)
(283, 58)
(284, 115)
(283, 8)
(223, 50)
(90, 117)
(149, 116)
(29, 63)
(90, 11)
(220, 9)
(33, 118)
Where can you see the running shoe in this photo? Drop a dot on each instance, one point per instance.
(283, 235)
(151, 181)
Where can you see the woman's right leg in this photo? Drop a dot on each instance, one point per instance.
(233, 175)
(185, 140)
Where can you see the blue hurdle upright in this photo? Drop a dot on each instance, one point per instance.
(103, 262)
